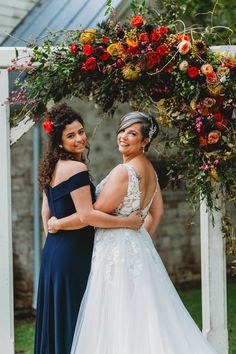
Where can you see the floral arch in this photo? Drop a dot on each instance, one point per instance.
(170, 73)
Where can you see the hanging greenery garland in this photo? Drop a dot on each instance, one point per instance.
(150, 63)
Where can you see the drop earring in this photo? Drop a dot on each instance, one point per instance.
(60, 146)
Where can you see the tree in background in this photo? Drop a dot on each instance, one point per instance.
(218, 16)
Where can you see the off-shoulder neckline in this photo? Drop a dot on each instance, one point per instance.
(68, 179)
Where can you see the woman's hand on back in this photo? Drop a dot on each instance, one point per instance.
(135, 220)
(53, 225)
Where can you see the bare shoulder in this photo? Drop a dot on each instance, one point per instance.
(69, 168)
(119, 173)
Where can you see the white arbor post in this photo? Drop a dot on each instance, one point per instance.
(6, 267)
(213, 268)
(7, 137)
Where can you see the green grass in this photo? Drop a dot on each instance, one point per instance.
(24, 331)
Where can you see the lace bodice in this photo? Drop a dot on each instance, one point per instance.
(131, 201)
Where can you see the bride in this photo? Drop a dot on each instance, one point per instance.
(130, 305)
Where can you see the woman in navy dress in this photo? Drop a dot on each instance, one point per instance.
(67, 255)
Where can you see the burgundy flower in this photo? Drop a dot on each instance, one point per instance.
(105, 56)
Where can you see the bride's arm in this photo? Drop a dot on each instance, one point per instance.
(155, 213)
(85, 213)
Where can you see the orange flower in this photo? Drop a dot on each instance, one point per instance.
(211, 78)
(137, 21)
(183, 37)
(132, 41)
(214, 136)
(203, 139)
(115, 49)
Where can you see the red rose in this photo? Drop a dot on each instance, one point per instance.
(193, 71)
(155, 36)
(162, 49)
(47, 126)
(137, 21)
(144, 38)
(221, 122)
(163, 30)
(152, 58)
(104, 40)
(132, 50)
(228, 63)
(74, 48)
(91, 63)
(84, 68)
(105, 56)
(87, 49)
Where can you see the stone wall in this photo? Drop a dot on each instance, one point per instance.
(177, 239)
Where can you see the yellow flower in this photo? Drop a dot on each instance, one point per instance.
(199, 46)
(215, 90)
(132, 41)
(193, 105)
(88, 36)
(131, 72)
(214, 175)
(115, 49)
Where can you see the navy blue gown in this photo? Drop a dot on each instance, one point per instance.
(64, 272)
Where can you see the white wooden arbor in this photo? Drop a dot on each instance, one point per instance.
(213, 259)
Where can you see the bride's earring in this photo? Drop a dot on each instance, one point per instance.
(143, 149)
(60, 146)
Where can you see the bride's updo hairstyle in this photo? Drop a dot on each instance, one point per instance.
(58, 117)
(149, 126)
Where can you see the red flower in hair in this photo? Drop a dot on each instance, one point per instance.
(47, 126)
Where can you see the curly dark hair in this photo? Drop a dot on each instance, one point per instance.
(147, 123)
(60, 115)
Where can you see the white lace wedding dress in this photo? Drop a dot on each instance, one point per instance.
(130, 305)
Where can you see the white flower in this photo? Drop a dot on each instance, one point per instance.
(183, 66)
(184, 47)
(223, 79)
